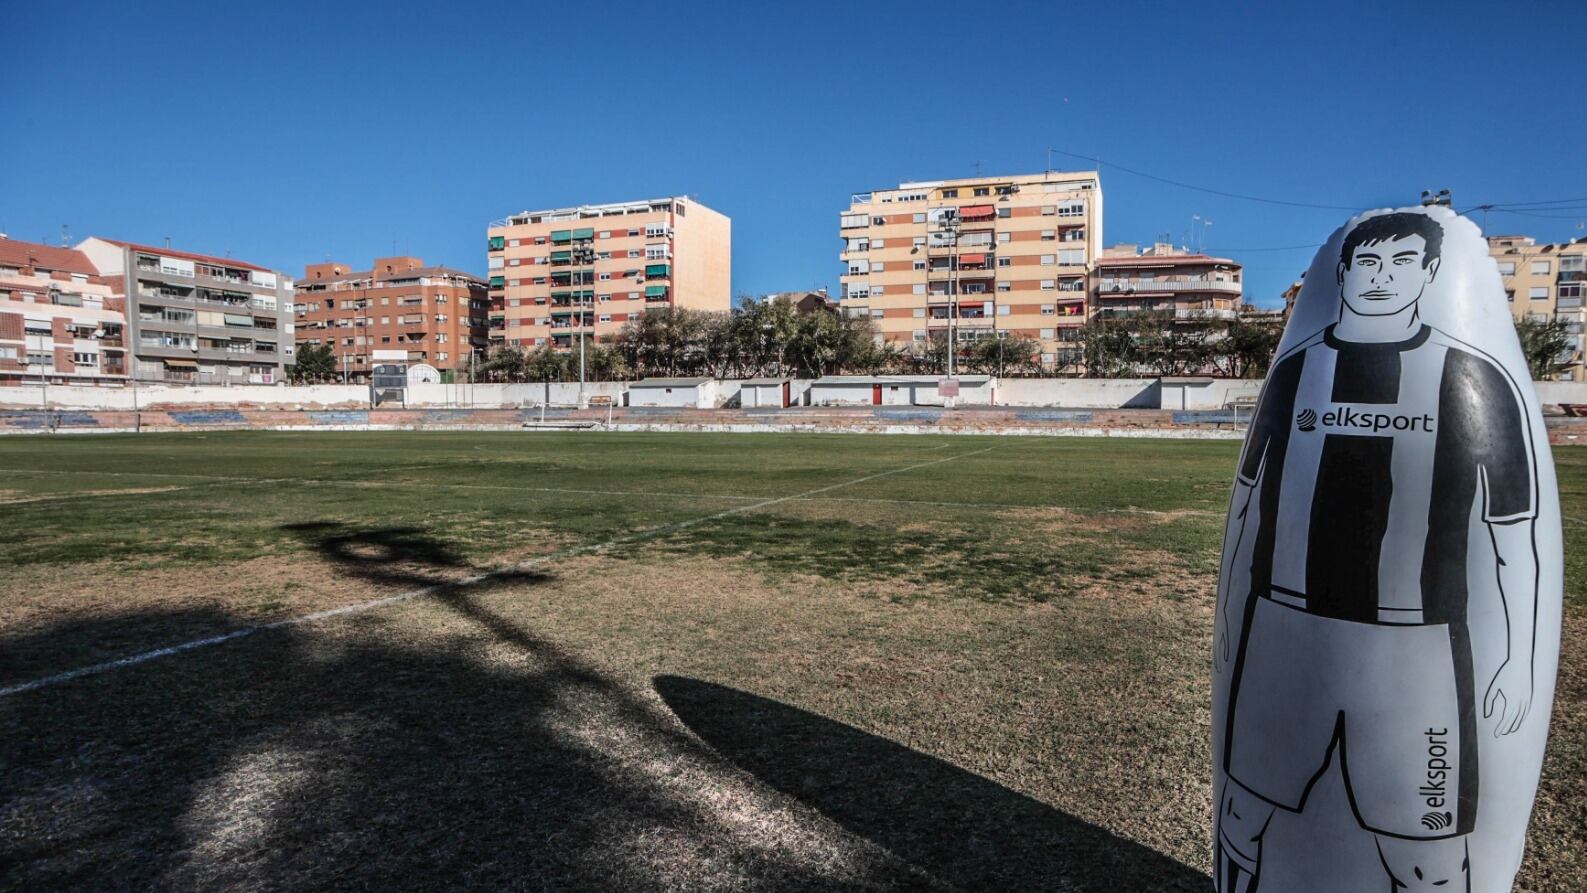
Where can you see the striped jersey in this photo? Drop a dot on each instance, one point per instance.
(1369, 461)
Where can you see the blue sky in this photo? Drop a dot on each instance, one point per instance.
(285, 133)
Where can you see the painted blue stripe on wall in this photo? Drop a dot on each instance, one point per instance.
(207, 416)
(1052, 415)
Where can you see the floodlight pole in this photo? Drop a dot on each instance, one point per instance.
(581, 255)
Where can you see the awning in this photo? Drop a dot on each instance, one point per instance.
(977, 258)
(181, 364)
(656, 269)
(653, 291)
(234, 319)
(976, 212)
(585, 233)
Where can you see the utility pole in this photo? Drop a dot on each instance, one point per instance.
(582, 255)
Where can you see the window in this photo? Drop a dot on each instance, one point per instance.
(1005, 286)
(950, 193)
(1507, 268)
(1049, 210)
(41, 359)
(1048, 235)
(919, 242)
(1047, 260)
(1046, 334)
(919, 217)
(1048, 285)
(1072, 256)
(878, 244)
(1509, 295)
(919, 288)
(876, 289)
(1004, 212)
(876, 314)
(1005, 238)
(1005, 262)
(919, 313)
(876, 267)
(34, 327)
(983, 190)
(876, 221)
(1540, 268)
(1076, 208)
(85, 359)
(920, 265)
(1538, 293)
(1049, 310)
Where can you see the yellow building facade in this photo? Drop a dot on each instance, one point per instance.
(558, 273)
(1546, 282)
(980, 257)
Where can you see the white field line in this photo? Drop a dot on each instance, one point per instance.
(722, 497)
(598, 548)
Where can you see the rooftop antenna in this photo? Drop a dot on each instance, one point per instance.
(66, 238)
(978, 167)
(168, 241)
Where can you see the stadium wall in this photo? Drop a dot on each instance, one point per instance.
(1068, 393)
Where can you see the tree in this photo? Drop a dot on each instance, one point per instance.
(1246, 348)
(1547, 347)
(314, 362)
(1109, 347)
(546, 363)
(504, 364)
(999, 356)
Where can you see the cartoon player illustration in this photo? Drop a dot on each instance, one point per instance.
(1383, 453)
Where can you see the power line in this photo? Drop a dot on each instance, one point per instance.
(1277, 248)
(1249, 198)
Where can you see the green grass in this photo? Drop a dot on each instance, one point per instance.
(724, 662)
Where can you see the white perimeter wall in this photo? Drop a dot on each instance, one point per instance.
(1077, 393)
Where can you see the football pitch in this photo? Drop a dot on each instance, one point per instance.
(597, 661)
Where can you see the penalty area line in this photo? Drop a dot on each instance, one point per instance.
(452, 585)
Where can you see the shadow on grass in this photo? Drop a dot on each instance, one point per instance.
(382, 753)
(960, 828)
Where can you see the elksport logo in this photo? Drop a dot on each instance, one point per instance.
(1433, 788)
(1357, 420)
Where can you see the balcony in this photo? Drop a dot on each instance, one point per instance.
(1136, 285)
(1569, 303)
(658, 271)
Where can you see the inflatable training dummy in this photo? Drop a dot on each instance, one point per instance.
(1389, 600)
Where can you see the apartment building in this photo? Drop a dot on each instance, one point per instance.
(60, 323)
(982, 257)
(1192, 286)
(436, 314)
(588, 270)
(1546, 282)
(198, 319)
